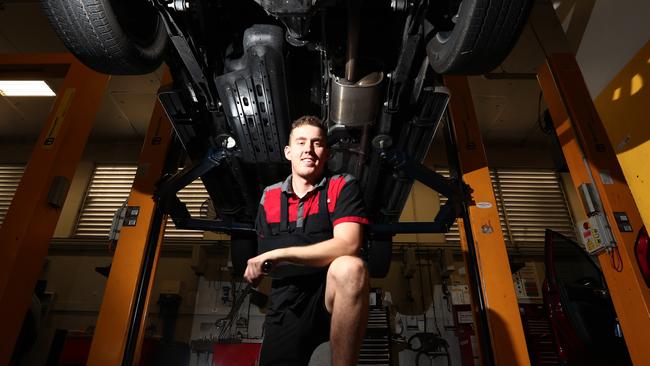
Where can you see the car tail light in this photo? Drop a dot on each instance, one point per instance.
(642, 253)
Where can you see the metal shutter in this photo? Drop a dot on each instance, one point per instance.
(528, 202)
(532, 201)
(109, 188)
(10, 176)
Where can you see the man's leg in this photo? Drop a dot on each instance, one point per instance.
(346, 298)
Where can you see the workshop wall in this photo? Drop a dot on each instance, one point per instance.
(616, 31)
(78, 289)
(622, 105)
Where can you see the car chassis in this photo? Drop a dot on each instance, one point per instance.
(242, 70)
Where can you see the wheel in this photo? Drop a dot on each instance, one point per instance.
(242, 248)
(474, 36)
(110, 36)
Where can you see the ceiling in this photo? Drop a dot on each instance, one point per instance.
(125, 109)
(507, 107)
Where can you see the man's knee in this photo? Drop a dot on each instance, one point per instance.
(349, 274)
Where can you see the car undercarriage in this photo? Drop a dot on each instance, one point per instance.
(243, 70)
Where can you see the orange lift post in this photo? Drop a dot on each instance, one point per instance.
(592, 160)
(34, 212)
(117, 321)
(499, 300)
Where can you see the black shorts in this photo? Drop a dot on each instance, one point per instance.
(297, 321)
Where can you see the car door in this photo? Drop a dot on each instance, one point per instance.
(579, 307)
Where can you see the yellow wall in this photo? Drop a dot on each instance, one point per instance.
(623, 107)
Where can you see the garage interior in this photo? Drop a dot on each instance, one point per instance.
(560, 121)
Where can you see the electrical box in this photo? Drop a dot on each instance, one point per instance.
(594, 235)
(595, 232)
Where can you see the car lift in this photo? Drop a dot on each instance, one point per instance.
(119, 329)
(482, 242)
(32, 217)
(591, 160)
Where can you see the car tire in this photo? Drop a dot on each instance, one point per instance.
(482, 36)
(242, 248)
(110, 36)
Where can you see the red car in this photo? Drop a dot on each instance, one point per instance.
(579, 308)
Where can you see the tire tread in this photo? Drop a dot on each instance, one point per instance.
(484, 41)
(88, 29)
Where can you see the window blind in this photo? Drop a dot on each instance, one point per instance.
(109, 188)
(10, 176)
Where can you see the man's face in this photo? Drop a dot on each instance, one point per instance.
(307, 152)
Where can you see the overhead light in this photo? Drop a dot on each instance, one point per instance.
(25, 88)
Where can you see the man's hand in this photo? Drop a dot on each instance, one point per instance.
(255, 270)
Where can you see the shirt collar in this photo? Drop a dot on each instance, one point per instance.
(287, 187)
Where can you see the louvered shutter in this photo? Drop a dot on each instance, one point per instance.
(10, 176)
(533, 201)
(109, 188)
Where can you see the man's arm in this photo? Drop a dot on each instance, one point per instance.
(347, 239)
(348, 219)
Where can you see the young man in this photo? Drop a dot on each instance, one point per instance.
(310, 227)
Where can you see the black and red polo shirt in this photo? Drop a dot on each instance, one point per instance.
(284, 219)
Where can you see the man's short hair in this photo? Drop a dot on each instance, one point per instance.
(310, 121)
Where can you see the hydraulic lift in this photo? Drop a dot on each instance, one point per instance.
(486, 259)
(32, 217)
(119, 330)
(592, 162)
